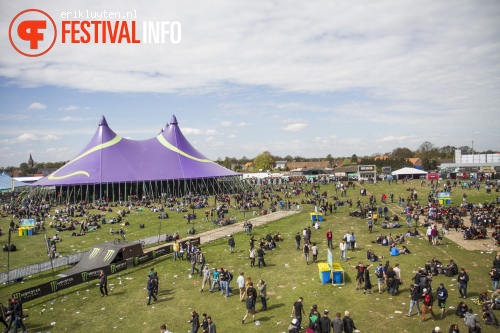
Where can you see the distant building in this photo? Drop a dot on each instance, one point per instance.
(31, 163)
(471, 166)
(323, 165)
(281, 165)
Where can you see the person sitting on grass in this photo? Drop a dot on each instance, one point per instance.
(462, 309)
(404, 250)
(394, 251)
(111, 231)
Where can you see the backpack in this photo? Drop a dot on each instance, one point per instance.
(379, 271)
(250, 303)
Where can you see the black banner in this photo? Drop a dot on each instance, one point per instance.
(79, 278)
(35, 292)
(143, 258)
(162, 251)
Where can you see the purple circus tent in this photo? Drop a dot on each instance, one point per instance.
(110, 159)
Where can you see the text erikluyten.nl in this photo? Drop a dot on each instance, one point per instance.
(97, 15)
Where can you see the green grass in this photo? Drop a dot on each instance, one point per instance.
(81, 309)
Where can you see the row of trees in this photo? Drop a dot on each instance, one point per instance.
(26, 170)
(428, 153)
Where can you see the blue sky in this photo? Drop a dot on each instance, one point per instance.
(306, 79)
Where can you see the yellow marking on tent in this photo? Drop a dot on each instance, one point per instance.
(94, 253)
(110, 143)
(177, 150)
(108, 255)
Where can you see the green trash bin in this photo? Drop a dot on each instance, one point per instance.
(25, 232)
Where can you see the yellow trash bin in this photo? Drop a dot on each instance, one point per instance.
(20, 231)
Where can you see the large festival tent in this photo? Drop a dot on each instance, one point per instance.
(7, 184)
(408, 173)
(113, 167)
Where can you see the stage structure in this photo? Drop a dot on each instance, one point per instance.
(113, 168)
(367, 172)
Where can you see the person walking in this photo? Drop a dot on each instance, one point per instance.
(349, 326)
(298, 311)
(305, 252)
(261, 287)
(231, 243)
(428, 300)
(260, 257)
(150, 286)
(211, 326)
(353, 241)
(195, 319)
(370, 224)
(252, 255)
(17, 315)
(103, 283)
(250, 306)
(314, 250)
(463, 280)
(325, 323)
(194, 262)
(3, 315)
(343, 248)
(442, 295)
(241, 285)
(329, 236)
(414, 298)
(337, 324)
(297, 240)
(206, 277)
(175, 250)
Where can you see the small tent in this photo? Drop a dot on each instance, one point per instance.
(409, 173)
(6, 183)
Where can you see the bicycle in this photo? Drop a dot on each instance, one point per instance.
(120, 240)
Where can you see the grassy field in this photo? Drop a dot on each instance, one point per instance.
(81, 309)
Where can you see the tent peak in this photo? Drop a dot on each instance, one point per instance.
(173, 121)
(103, 121)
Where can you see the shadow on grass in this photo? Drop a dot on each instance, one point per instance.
(275, 306)
(265, 318)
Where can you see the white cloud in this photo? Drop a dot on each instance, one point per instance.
(210, 132)
(25, 137)
(37, 106)
(242, 124)
(49, 137)
(69, 108)
(226, 124)
(192, 131)
(31, 138)
(295, 127)
(69, 118)
(402, 138)
(231, 136)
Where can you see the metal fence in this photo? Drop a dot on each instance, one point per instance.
(21, 272)
(206, 237)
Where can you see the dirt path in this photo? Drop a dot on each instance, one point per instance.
(222, 232)
(478, 244)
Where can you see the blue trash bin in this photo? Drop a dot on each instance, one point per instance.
(337, 277)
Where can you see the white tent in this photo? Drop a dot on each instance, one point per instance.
(409, 172)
